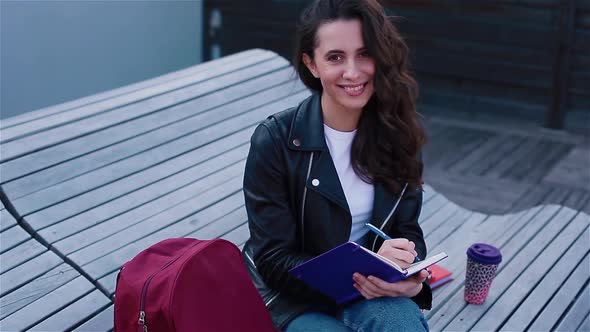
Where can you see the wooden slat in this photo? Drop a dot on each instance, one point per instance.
(101, 322)
(209, 223)
(566, 294)
(532, 275)
(479, 228)
(115, 215)
(45, 306)
(512, 267)
(450, 302)
(21, 147)
(104, 262)
(162, 153)
(27, 271)
(12, 237)
(78, 103)
(20, 254)
(121, 141)
(572, 260)
(38, 289)
(448, 228)
(74, 313)
(575, 316)
(212, 189)
(238, 235)
(431, 207)
(434, 222)
(6, 220)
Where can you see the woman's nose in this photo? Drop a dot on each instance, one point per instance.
(351, 72)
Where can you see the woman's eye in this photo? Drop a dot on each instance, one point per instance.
(335, 57)
(364, 54)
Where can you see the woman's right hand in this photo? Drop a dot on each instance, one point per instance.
(399, 250)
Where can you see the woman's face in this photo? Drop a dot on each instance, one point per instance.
(343, 65)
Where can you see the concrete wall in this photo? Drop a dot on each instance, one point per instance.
(57, 51)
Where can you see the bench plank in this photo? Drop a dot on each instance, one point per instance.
(514, 266)
(12, 237)
(176, 135)
(576, 258)
(74, 313)
(47, 305)
(105, 263)
(552, 312)
(36, 289)
(577, 313)
(131, 165)
(6, 220)
(448, 307)
(43, 119)
(199, 179)
(26, 145)
(75, 105)
(21, 253)
(532, 275)
(101, 322)
(124, 140)
(213, 189)
(431, 207)
(27, 271)
(206, 224)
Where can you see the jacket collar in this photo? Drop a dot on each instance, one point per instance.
(307, 128)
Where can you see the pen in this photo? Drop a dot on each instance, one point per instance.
(384, 236)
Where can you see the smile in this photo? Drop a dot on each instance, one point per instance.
(354, 90)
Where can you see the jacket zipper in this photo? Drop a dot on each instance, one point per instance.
(384, 223)
(276, 293)
(303, 203)
(142, 318)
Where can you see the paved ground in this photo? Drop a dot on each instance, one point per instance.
(494, 165)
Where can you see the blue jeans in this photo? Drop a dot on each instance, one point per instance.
(380, 314)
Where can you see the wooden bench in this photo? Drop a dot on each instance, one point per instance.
(90, 183)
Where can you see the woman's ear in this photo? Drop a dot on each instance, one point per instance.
(310, 64)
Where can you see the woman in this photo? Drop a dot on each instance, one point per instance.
(318, 172)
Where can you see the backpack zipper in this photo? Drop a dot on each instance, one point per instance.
(142, 320)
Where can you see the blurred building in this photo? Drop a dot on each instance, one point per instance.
(56, 51)
(524, 60)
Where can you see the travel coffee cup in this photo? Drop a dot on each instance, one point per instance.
(482, 264)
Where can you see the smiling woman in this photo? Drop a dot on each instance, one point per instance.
(345, 69)
(317, 173)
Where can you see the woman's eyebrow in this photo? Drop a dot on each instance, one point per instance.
(330, 52)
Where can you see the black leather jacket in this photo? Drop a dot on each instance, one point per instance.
(297, 210)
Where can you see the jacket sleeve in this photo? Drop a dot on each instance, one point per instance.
(271, 220)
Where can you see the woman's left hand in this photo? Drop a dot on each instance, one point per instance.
(372, 287)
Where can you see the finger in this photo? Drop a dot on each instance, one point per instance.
(362, 291)
(367, 285)
(401, 255)
(384, 287)
(399, 243)
(420, 277)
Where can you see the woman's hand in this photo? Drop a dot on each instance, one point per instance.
(372, 287)
(399, 250)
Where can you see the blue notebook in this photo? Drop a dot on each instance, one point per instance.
(331, 272)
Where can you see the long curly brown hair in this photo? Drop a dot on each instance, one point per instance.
(389, 134)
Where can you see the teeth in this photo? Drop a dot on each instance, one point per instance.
(354, 89)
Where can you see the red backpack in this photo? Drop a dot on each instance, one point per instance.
(188, 285)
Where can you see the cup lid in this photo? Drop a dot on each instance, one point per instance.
(484, 253)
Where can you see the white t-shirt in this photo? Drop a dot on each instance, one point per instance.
(359, 194)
